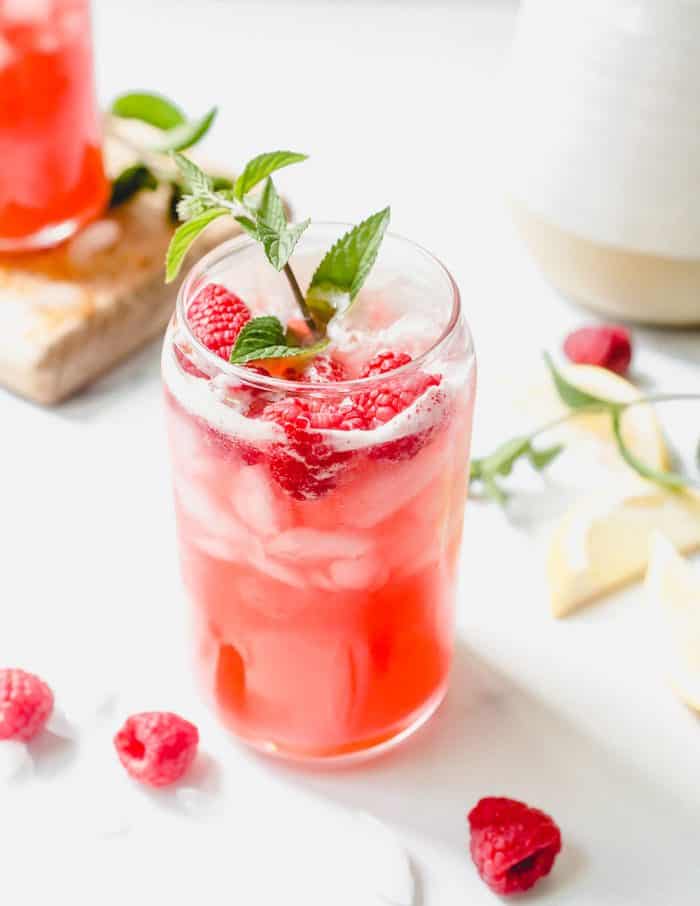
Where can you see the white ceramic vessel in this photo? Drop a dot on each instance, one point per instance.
(603, 143)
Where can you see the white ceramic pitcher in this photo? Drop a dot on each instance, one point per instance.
(603, 145)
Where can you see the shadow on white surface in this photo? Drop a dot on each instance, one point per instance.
(51, 753)
(492, 737)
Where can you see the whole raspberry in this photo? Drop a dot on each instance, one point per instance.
(305, 465)
(385, 361)
(380, 404)
(157, 747)
(512, 845)
(216, 317)
(607, 345)
(25, 704)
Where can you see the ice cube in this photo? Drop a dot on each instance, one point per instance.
(203, 507)
(363, 573)
(308, 544)
(256, 503)
(59, 724)
(382, 862)
(279, 571)
(319, 579)
(389, 488)
(14, 760)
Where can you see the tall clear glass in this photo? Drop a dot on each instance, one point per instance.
(324, 608)
(51, 174)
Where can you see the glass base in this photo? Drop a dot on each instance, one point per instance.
(49, 236)
(356, 752)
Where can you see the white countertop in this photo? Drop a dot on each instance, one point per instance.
(395, 102)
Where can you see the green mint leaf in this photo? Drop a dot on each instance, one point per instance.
(264, 338)
(270, 210)
(500, 463)
(221, 183)
(182, 239)
(195, 178)
(192, 206)
(504, 457)
(271, 228)
(130, 181)
(571, 396)
(186, 134)
(279, 244)
(494, 491)
(153, 109)
(670, 480)
(344, 269)
(249, 226)
(265, 330)
(540, 459)
(261, 167)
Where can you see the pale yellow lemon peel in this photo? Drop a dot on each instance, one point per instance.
(673, 590)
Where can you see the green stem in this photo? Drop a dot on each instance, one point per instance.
(595, 408)
(301, 301)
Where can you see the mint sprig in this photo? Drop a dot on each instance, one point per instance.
(486, 470)
(264, 219)
(177, 133)
(198, 200)
(489, 469)
(184, 236)
(344, 269)
(148, 107)
(265, 338)
(262, 166)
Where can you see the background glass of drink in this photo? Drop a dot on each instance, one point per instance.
(51, 175)
(324, 614)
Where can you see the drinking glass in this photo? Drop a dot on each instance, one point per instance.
(322, 564)
(51, 176)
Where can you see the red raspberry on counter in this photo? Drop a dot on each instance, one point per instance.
(512, 845)
(26, 703)
(606, 345)
(157, 747)
(216, 316)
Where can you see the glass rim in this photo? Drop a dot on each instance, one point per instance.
(246, 375)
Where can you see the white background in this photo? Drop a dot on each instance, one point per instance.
(396, 103)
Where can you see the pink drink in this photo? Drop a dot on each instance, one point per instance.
(52, 179)
(324, 613)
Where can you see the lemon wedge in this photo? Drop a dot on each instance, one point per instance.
(640, 427)
(603, 542)
(674, 593)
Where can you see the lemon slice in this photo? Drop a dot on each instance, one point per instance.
(674, 593)
(640, 427)
(602, 542)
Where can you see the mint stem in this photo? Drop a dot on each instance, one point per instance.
(237, 208)
(602, 407)
(301, 301)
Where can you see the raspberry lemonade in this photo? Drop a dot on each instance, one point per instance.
(52, 180)
(319, 506)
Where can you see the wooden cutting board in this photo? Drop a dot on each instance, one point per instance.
(70, 314)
